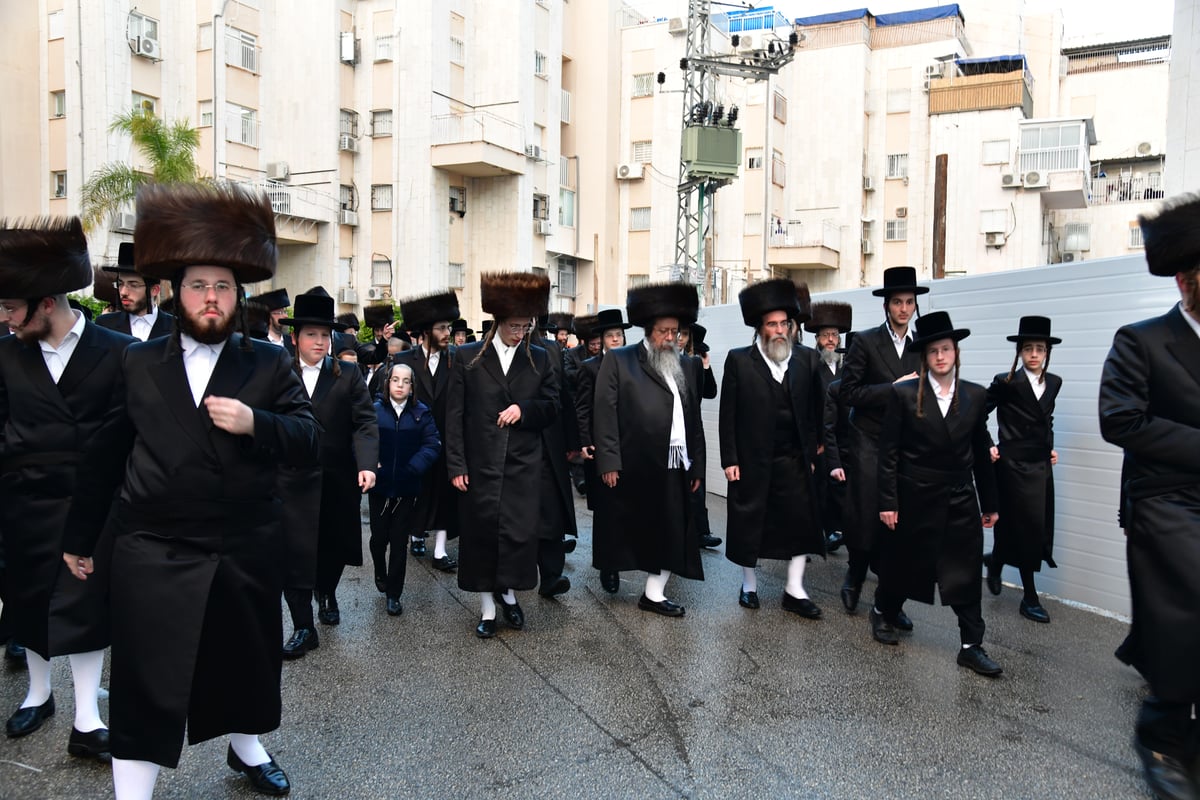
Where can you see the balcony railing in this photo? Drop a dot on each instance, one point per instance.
(799, 235)
(241, 129)
(298, 201)
(1053, 159)
(477, 126)
(241, 53)
(1122, 189)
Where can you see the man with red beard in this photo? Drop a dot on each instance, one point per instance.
(140, 316)
(197, 567)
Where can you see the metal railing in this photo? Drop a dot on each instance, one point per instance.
(297, 201)
(797, 234)
(241, 53)
(1126, 189)
(477, 126)
(241, 129)
(1054, 159)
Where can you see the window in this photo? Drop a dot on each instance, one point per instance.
(566, 208)
(541, 206)
(995, 151)
(643, 84)
(1057, 146)
(381, 123)
(54, 25)
(564, 114)
(143, 102)
(384, 47)
(778, 169)
(58, 104)
(241, 125)
(780, 109)
(205, 114)
(381, 272)
(639, 218)
(1077, 236)
(540, 63)
(564, 172)
(456, 275)
(754, 158)
(346, 197)
(381, 197)
(753, 225)
(140, 25)
(1135, 236)
(458, 53)
(58, 184)
(204, 36)
(566, 276)
(348, 122)
(896, 230)
(458, 199)
(241, 50)
(899, 101)
(993, 220)
(897, 165)
(642, 152)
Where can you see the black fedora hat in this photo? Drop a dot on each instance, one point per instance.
(606, 320)
(934, 326)
(314, 309)
(1036, 328)
(460, 326)
(697, 342)
(900, 279)
(273, 300)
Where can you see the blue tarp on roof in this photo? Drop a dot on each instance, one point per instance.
(992, 65)
(837, 16)
(919, 15)
(989, 59)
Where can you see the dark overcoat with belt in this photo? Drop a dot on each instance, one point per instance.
(1148, 407)
(868, 371)
(118, 321)
(500, 509)
(437, 505)
(1025, 530)
(44, 428)
(636, 526)
(936, 472)
(750, 440)
(197, 567)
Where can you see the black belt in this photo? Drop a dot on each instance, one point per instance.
(928, 474)
(44, 459)
(1154, 485)
(1024, 451)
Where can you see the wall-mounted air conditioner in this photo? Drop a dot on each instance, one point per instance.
(348, 295)
(347, 143)
(867, 247)
(629, 172)
(994, 239)
(901, 212)
(868, 183)
(124, 222)
(533, 151)
(1071, 256)
(277, 171)
(543, 227)
(149, 48)
(347, 217)
(1010, 180)
(376, 293)
(1033, 179)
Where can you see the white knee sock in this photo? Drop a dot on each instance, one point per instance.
(510, 597)
(134, 780)
(656, 586)
(39, 680)
(795, 579)
(749, 579)
(487, 606)
(249, 749)
(85, 674)
(439, 544)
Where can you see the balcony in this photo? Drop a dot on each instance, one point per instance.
(298, 210)
(805, 246)
(1127, 189)
(1053, 159)
(477, 145)
(982, 85)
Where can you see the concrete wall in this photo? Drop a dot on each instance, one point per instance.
(1183, 116)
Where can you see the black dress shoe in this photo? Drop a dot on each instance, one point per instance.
(610, 581)
(1167, 776)
(93, 744)
(664, 607)
(976, 658)
(417, 547)
(394, 609)
(14, 654)
(559, 585)
(569, 545)
(266, 778)
(748, 599)
(1034, 612)
(902, 622)
(486, 628)
(445, 564)
(851, 591)
(708, 540)
(581, 488)
(303, 640)
(381, 583)
(881, 629)
(993, 573)
(833, 541)
(327, 609)
(513, 614)
(802, 606)
(27, 720)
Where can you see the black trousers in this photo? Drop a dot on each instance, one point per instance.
(699, 501)
(391, 521)
(970, 615)
(551, 558)
(1168, 728)
(299, 603)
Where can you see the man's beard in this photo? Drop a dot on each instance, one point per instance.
(35, 328)
(666, 364)
(829, 356)
(779, 349)
(1191, 300)
(137, 307)
(207, 330)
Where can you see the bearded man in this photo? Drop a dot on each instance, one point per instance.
(140, 316)
(829, 321)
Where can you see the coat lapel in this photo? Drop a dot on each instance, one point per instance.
(954, 418)
(425, 381)
(171, 379)
(85, 358)
(654, 376)
(491, 363)
(39, 375)
(887, 351)
(325, 381)
(1186, 345)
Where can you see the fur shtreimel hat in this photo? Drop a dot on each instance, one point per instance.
(273, 300)
(562, 321)
(830, 315)
(645, 304)
(378, 315)
(349, 319)
(778, 294)
(421, 313)
(583, 326)
(514, 294)
(191, 224)
(1172, 236)
(43, 257)
(103, 288)
(258, 319)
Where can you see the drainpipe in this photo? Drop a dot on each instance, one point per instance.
(218, 35)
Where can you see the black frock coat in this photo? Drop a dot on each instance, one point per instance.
(499, 511)
(585, 391)
(43, 430)
(559, 439)
(118, 321)
(1148, 407)
(930, 469)
(437, 505)
(636, 526)
(868, 371)
(197, 567)
(748, 429)
(1024, 534)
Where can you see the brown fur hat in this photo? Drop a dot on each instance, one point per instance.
(420, 313)
(583, 326)
(187, 224)
(830, 315)
(777, 294)
(514, 294)
(645, 304)
(42, 257)
(378, 315)
(103, 289)
(1172, 236)
(562, 321)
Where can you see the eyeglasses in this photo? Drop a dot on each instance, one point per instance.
(135, 285)
(670, 333)
(441, 328)
(200, 287)
(517, 327)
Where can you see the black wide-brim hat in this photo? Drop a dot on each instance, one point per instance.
(1171, 237)
(314, 309)
(900, 279)
(272, 300)
(830, 315)
(934, 326)
(42, 257)
(606, 320)
(758, 299)
(485, 326)
(544, 324)
(845, 348)
(697, 341)
(460, 326)
(1034, 329)
(422, 313)
(379, 315)
(645, 304)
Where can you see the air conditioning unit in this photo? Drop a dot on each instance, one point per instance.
(277, 171)
(347, 295)
(543, 227)
(935, 71)
(868, 183)
(746, 42)
(347, 217)
(124, 222)
(458, 205)
(348, 48)
(1033, 179)
(1145, 148)
(994, 239)
(1010, 181)
(533, 151)
(901, 212)
(867, 247)
(1071, 256)
(376, 293)
(629, 172)
(149, 48)
(348, 143)
(676, 26)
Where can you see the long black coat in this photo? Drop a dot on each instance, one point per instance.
(437, 505)
(835, 425)
(868, 371)
(636, 527)
(585, 393)
(1025, 531)
(196, 568)
(559, 438)
(767, 517)
(118, 321)
(1148, 407)
(499, 510)
(930, 469)
(43, 430)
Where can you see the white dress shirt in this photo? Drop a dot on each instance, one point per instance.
(310, 375)
(943, 400)
(398, 407)
(504, 353)
(1035, 383)
(199, 361)
(57, 357)
(140, 326)
(898, 342)
(778, 371)
(432, 361)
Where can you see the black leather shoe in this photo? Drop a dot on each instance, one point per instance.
(851, 591)
(513, 614)
(802, 606)
(14, 654)
(976, 658)
(881, 629)
(1167, 777)
(268, 778)
(708, 540)
(486, 628)
(93, 744)
(569, 545)
(417, 547)
(833, 541)
(1034, 612)
(394, 609)
(560, 585)
(381, 583)
(664, 607)
(902, 622)
(27, 720)
(748, 599)
(581, 488)
(993, 574)
(445, 564)
(303, 640)
(327, 609)
(610, 581)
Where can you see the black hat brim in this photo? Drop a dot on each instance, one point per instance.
(898, 289)
(957, 334)
(1033, 337)
(300, 322)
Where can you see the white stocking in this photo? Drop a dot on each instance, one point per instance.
(795, 578)
(85, 674)
(39, 679)
(249, 749)
(487, 606)
(749, 579)
(134, 780)
(656, 585)
(439, 544)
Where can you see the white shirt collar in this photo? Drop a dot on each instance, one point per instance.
(190, 345)
(1190, 320)
(943, 400)
(398, 407)
(74, 334)
(778, 371)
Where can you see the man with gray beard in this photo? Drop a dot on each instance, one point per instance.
(829, 321)
(770, 419)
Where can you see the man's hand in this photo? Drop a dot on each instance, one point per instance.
(704, 360)
(460, 482)
(588, 453)
(907, 377)
(1053, 457)
(366, 480)
(733, 473)
(388, 330)
(509, 416)
(995, 451)
(80, 566)
(838, 475)
(695, 485)
(990, 519)
(610, 479)
(889, 518)
(230, 415)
